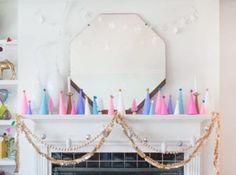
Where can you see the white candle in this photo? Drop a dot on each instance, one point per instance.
(68, 85)
(163, 147)
(68, 142)
(195, 83)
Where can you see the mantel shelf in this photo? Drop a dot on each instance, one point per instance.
(6, 122)
(7, 162)
(4, 42)
(8, 82)
(79, 118)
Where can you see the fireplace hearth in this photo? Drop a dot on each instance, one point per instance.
(116, 164)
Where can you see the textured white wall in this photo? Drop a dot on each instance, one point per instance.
(228, 86)
(189, 28)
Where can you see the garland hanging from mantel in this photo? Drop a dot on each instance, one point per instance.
(133, 138)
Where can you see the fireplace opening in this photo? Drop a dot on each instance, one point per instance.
(116, 164)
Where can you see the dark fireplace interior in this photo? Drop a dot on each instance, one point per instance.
(116, 164)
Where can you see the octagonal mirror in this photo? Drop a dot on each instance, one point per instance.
(118, 51)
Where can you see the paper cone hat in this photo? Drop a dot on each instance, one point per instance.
(158, 103)
(120, 104)
(62, 108)
(24, 103)
(164, 107)
(87, 107)
(29, 111)
(95, 106)
(152, 111)
(134, 107)
(147, 104)
(111, 106)
(203, 108)
(73, 108)
(170, 106)
(44, 104)
(176, 112)
(180, 100)
(191, 108)
(80, 104)
(50, 106)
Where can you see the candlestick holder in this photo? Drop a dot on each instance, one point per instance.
(69, 102)
(196, 94)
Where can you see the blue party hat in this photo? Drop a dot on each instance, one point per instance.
(44, 104)
(80, 105)
(152, 112)
(147, 104)
(29, 111)
(180, 100)
(95, 106)
(170, 106)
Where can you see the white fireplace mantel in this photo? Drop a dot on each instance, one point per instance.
(170, 129)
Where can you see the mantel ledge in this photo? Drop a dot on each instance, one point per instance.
(132, 118)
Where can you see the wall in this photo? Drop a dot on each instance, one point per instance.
(8, 19)
(189, 28)
(228, 86)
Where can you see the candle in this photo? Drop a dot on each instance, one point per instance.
(68, 85)
(195, 83)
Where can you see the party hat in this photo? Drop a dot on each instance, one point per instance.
(158, 102)
(120, 106)
(134, 107)
(86, 107)
(203, 108)
(100, 105)
(176, 112)
(80, 104)
(170, 106)
(152, 112)
(180, 100)
(147, 104)
(95, 106)
(62, 108)
(24, 103)
(50, 106)
(44, 104)
(191, 108)
(73, 108)
(163, 107)
(29, 111)
(111, 106)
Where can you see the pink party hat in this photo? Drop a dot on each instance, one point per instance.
(203, 108)
(111, 106)
(164, 110)
(191, 108)
(62, 109)
(24, 103)
(158, 103)
(134, 107)
(73, 108)
(50, 106)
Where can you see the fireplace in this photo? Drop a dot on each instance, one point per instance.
(116, 155)
(121, 163)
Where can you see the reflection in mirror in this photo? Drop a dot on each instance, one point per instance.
(118, 51)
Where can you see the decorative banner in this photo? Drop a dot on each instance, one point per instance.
(133, 138)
